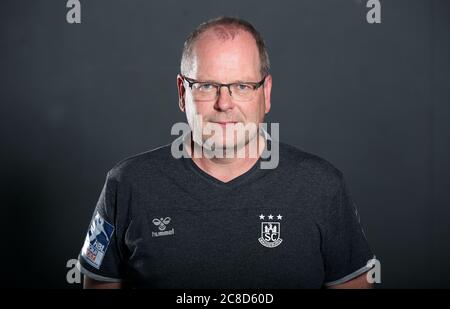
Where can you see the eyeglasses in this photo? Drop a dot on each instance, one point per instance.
(209, 91)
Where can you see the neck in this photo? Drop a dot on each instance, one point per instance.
(225, 168)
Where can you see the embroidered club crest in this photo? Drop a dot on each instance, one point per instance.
(270, 232)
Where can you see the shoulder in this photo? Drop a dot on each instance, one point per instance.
(313, 169)
(140, 164)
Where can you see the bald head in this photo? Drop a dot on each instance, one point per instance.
(223, 29)
(222, 56)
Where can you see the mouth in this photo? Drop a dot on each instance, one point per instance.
(224, 123)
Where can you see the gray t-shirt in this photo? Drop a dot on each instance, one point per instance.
(162, 222)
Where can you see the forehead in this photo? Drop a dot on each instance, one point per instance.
(226, 55)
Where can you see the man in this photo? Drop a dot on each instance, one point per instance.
(212, 220)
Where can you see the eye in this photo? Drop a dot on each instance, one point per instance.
(205, 87)
(242, 87)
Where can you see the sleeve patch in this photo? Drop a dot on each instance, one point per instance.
(97, 241)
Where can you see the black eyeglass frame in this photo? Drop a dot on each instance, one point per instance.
(192, 81)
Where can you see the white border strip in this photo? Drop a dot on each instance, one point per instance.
(86, 272)
(350, 276)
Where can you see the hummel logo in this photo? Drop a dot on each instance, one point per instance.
(162, 224)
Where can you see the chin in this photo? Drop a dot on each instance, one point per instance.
(221, 144)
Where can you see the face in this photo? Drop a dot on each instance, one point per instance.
(225, 61)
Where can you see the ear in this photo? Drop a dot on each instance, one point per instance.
(181, 92)
(267, 91)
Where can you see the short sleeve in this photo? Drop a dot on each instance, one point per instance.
(346, 251)
(100, 257)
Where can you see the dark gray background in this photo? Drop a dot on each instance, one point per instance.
(372, 99)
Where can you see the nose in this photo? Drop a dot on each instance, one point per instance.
(224, 101)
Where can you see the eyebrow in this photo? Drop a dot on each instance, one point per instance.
(232, 82)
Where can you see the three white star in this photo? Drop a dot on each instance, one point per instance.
(270, 217)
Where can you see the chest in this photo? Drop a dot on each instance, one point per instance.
(244, 243)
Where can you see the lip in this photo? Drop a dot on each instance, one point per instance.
(224, 122)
